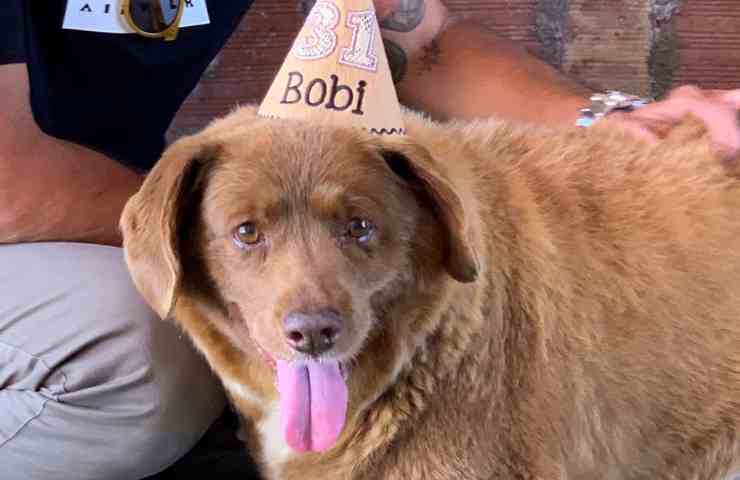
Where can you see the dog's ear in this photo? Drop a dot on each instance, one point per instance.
(415, 165)
(152, 220)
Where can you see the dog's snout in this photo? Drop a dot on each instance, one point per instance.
(312, 333)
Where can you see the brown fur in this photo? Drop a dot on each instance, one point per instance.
(535, 305)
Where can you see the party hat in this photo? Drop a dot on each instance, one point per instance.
(337, 68)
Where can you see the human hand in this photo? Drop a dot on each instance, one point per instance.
(717, 109)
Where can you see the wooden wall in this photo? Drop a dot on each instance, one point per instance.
(642, 46)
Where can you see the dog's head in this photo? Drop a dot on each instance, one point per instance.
(300, 235)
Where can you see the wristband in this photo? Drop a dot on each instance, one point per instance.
(602, 104)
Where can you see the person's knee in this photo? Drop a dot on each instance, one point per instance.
(183, 394)
(134, 395)
(176, 396)
(178, 413)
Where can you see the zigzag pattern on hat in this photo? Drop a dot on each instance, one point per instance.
(388, 131)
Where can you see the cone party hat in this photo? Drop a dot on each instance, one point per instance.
(337, 68)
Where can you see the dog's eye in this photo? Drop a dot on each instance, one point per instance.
(247, 235)
(360, 229)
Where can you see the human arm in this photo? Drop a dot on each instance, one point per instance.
(454, 68)
(50, 189)
(458, 69)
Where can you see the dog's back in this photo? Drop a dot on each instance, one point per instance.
(605, 338)
(537, 304)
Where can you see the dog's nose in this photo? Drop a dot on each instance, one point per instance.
(312, 333)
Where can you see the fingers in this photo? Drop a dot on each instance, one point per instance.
(731, 97)
(624, 121)
(717, 109)
(719, 118)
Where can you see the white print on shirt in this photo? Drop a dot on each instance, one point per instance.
(105, 15)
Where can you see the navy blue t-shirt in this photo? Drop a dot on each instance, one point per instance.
(114, 93)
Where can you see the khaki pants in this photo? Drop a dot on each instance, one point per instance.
(92, 384)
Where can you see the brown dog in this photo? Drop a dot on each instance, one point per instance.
(471, 301)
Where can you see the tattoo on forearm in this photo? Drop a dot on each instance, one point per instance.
(406, 17)
(430, 56)
(396, 60)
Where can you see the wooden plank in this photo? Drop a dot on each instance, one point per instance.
(708, 43)
(609, 44)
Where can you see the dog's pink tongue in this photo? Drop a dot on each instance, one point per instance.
(313, 404)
